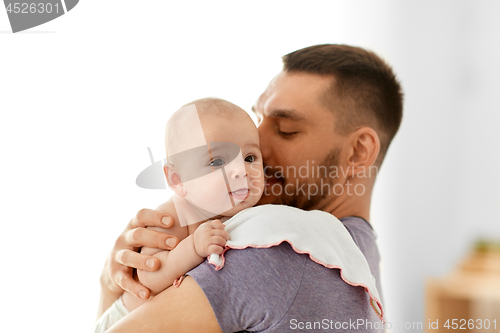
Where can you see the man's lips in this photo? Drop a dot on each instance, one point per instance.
(240, 194)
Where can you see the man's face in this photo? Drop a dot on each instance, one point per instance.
(298, 141)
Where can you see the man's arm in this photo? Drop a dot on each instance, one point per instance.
(182, 309)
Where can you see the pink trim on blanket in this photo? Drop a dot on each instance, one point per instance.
(378, 304)
(177, 282)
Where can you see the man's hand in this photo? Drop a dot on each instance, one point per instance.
(210, 237)
(118, 268)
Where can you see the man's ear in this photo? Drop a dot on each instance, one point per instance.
(364, 149)
(174, 180)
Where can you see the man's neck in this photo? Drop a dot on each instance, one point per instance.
(345, 205)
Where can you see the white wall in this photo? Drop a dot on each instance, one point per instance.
(83, 96)
(440, 185)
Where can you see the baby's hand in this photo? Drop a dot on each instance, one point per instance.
(210, 237)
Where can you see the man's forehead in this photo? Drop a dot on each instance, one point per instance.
(265, 95)
(292, 96)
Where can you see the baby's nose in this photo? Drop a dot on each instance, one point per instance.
(239, 174)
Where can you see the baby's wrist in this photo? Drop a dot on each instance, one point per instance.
(198, 249)
(201, 254)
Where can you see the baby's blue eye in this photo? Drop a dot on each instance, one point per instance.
(217, 162)
(250, 158)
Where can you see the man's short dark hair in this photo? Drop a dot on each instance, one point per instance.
(364, 90)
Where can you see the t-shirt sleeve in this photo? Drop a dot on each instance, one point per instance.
(254, 290)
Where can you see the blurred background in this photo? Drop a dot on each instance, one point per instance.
(83, 96)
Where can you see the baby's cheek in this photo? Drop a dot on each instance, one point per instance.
(216, 194)
(256, 184)
(211, 184)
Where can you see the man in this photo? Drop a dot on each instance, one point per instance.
(325, 124)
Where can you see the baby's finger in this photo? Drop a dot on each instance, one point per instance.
(216, 224)
(216, 249)
(222, 233)
(217, 240)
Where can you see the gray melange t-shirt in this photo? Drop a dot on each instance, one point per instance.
(278, 290)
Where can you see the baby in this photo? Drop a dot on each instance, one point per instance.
(214, 166)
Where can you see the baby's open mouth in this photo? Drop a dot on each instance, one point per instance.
(240, 194)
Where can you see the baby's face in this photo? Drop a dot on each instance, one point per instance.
(233, 177)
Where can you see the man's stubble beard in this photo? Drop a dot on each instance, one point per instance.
(308, 202)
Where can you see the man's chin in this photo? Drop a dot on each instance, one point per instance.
(276, 200)
(267, 199)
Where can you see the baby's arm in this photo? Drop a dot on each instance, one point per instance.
(209, 237)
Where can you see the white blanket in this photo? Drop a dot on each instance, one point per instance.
(319, 234)
(112, 315)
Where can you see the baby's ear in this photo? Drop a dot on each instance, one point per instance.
(174, 180)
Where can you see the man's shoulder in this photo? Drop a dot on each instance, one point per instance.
(364, 236)
(252, 263)
(267, 289)
(359, 225)
(255, 288)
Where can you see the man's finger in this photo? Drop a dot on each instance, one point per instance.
(140, 237)
(126, 282)
(151, 218)
(136, 260)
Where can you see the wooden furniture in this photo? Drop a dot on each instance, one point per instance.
(470, 295)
